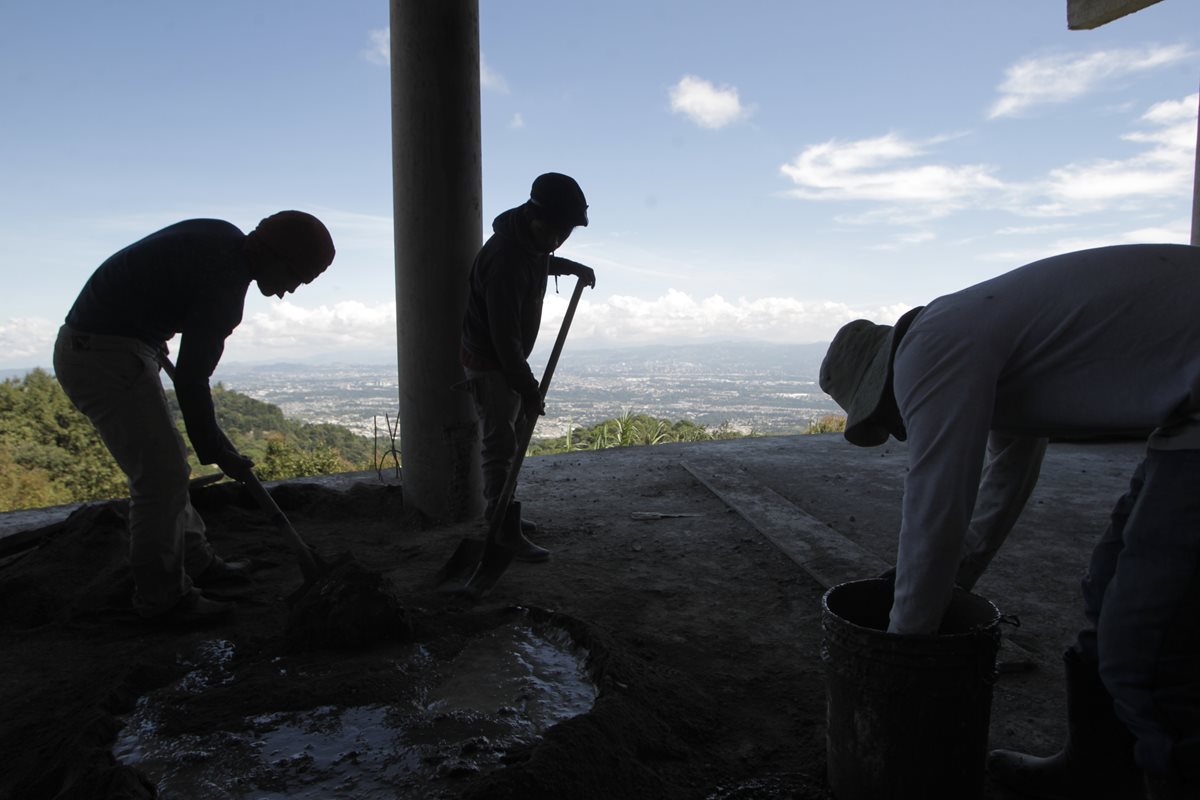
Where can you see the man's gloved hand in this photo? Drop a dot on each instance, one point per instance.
(587, 275)
(581, 271)
(235, 465)
(532, 406)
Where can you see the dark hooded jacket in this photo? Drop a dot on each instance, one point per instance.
(504, 304)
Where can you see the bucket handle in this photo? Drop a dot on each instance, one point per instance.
(1010, 619)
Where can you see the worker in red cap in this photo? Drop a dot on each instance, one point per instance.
(188, 279)
(504, 311)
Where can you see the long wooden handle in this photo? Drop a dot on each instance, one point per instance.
(308, 561)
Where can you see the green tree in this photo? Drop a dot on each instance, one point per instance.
(252, 425)
(629, 430)
(24, 486)
(284, 460)
(50, 453)
(54, 444)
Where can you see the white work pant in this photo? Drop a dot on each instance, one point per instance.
(114, 381)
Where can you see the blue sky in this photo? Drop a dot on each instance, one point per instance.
(763, 170)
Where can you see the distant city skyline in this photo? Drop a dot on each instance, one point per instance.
(759, 388)
(765, 172)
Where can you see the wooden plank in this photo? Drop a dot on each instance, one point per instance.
(828, 556)
(1088, 14)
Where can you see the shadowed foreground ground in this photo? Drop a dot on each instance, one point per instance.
(704, 637)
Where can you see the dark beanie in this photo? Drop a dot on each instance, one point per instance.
(300, 239)
(559, 200)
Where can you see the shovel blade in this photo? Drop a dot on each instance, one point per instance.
(477, 564)
(492, 565)
(457, 572)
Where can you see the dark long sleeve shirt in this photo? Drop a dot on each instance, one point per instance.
(504, 305)
(189, 279)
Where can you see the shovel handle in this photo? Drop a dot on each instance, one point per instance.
(308, 561)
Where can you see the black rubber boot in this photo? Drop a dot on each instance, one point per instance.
(512, 537)
(1097, 758)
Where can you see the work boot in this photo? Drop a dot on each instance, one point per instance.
(1096, 760)
(512, 537)
(194, 610)
(219, 571)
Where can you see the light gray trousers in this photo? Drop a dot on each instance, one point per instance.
(114, 381)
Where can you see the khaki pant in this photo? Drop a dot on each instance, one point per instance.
(114, 381)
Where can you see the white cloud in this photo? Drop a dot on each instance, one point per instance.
(678, 317)
(875, 169)
(489, 78)
(379, 46)
(288, 328)
(379, 51)
(27, 342)
(1062, 77)
(517, 122)
(889, 172)
(1163, 170)
(706, 104)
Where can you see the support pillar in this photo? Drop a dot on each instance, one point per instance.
(1196, 187)
(437, 203)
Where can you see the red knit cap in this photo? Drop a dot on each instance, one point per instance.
(300, 239)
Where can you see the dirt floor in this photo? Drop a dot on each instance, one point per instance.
(701, 637)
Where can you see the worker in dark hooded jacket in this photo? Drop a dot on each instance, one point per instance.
(189, 279)
(504, 311)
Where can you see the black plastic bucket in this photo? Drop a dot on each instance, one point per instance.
(906, 716)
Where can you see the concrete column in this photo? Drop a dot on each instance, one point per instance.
(1196, 188)
(438, 197)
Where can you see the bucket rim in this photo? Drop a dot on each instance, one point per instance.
(982, 627)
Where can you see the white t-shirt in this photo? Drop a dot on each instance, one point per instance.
(1092, 342)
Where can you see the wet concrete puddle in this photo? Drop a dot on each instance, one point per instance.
(451, 718)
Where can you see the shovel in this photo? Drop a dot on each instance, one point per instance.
(311, 565)
(477, 565)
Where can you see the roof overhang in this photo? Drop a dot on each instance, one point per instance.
(1087, 14)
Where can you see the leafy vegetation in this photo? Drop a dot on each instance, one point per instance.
(829, 423)
(50, 453)
(630, 430)
(281, 447)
